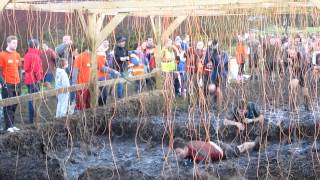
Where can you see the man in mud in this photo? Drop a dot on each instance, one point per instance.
(242, 114)
(299, 69)
(198, 151)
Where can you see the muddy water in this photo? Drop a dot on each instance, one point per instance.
(131, 157)
(138, 148)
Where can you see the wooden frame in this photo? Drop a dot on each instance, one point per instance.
(92, 23)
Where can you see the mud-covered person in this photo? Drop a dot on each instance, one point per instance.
(206, 151)
(246, 117)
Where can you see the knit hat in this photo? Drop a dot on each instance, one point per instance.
(33, 43)
(121, 38)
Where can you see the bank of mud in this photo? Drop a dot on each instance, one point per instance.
(130, 140)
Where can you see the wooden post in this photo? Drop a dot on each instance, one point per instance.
(92, 37)
(3, 4)
(157, 29)
(96, 35)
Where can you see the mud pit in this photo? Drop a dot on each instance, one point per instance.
(83, 147)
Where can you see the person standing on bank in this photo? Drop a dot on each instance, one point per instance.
(62, 81)
(49, 58)
(121, 61)
(10, 70)
(33, 73)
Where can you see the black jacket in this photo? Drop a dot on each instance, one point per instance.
(119, 65)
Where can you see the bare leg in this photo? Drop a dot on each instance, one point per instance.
(293, 88)
(247, 146)
(306, 97)
(219, 97)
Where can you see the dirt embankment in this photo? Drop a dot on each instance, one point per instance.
(39, 154)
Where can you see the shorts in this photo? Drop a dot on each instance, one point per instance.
(253, 61)
(48, 77)
(270, 67)
(230, 151)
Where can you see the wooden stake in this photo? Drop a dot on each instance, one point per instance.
(172, 27)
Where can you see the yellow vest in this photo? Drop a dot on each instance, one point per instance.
(168, 63)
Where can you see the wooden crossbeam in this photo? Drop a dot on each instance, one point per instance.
(107, 30)
(316, 3)
(3, 4)
(54, 92)
(145, 8)
(172, 27)
(145, 4)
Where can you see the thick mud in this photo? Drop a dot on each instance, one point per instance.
(129, 140)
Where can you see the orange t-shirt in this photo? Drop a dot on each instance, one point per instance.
(10, 63)
(82, 63)
(240, 53)
(101, 61)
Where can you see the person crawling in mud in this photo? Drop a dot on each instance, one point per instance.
(197, 151)
(242, 114)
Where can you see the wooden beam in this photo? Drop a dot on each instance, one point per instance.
(158, 31)
(114, 7)
(3, 4)
(316, 3)
(145, 4)
(167, 7)
(107, 30)
(172, 27)
(54, 92)
(92, 37)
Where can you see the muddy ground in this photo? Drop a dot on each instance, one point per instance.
(130, 140)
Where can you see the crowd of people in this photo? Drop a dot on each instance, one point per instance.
(64, 66)
(193, 66)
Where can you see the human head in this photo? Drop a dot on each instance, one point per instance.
(168, 43)
(12, 43)
(272, 41)
(242, 107)
(62, 63)
(297, 39)
(215, 44)
(121, 40)
(33, 43)
(106, 44)
(144, 45)
(177, 41)
(200, 45)
(179, 145)
(45, 46)
(150, 41)
(186, 38)
(67, 39)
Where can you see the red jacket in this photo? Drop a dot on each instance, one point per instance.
(32, 66)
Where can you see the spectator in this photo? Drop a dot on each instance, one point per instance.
(240, 56)
(10, 64)
(48, 57)
(33, 74)
(180, 56)
(68, 51)
(80, 75)
(121, 61)
(62, 81)
(64, 50)
(151, 53)
(136, 68)
(104, 71)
